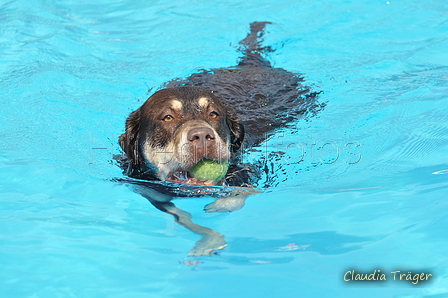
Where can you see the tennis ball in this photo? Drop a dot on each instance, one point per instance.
(207, 169)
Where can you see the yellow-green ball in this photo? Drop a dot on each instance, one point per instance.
(207, 169)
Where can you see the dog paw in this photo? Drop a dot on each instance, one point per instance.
(225, 204)
(207, 245)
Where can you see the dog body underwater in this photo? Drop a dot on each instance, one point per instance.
(215, 115)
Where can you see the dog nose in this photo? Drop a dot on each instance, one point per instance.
(200, 134)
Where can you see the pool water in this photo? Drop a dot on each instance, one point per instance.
(362, 186)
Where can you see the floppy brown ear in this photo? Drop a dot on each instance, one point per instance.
(129, 142)
(236, 127)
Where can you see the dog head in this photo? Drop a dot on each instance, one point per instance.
(176, 128)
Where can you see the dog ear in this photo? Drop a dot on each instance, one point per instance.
(236, 127)
(129, 142)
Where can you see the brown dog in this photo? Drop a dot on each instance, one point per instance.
(211, 115)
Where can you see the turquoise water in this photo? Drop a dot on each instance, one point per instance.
(363, 186)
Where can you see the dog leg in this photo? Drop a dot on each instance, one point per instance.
(210, 239)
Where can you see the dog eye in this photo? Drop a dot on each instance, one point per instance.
(214, 115)
(168, 118)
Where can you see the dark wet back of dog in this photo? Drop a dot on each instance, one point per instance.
(264, 97)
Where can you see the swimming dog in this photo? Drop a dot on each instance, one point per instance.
(212, 114)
